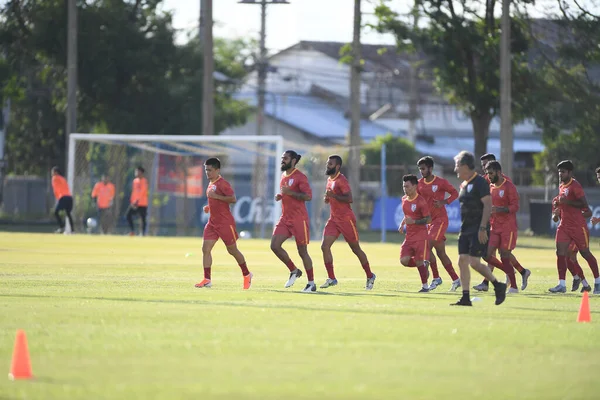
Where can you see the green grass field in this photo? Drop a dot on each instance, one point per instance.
(119, 318)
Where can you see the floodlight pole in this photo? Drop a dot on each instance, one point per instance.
(506, 126)
(260, 168)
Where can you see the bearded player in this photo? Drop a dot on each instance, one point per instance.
(295, 192)
(342, 221)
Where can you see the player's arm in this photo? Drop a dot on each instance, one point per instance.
(305, 193)
(228, 195)
(587, 213)
(580, 202)
(487, 211)
(513, 203)
(342, 198)
(451, 190)
(424, 220)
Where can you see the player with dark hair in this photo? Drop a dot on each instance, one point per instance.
(104, 194)
(138, 202)
(475, 211)
(294, 221)
(415, 248)
(342, 221)
(572, 263)
(221, 224)
(492, 260)
(433, 189)
(572, 227)
(64, 200)
(503, 221)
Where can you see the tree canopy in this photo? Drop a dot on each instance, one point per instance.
(133, 77)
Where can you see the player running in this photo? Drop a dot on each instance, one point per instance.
(475, 210)
(138, 202)
(64, 200)
(572, 227)
(572, 263)
(503, 232)
(434, 189)
(492, 260)
(415, 248)
(342, 221)
(221, 224)
(104, 194)
(294, 221)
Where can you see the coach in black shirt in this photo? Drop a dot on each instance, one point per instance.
(475, 209)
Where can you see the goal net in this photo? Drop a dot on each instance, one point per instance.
(174, 168)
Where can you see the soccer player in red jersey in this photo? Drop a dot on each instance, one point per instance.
(342, 221)
(434, 189)
(503, 221)
(295, 192)
(64, 200)
(572, 227)
(572, 263)
(415, 248)
(596, 220)
(221, 224)
(491, 259)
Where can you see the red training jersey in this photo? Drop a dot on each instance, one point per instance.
(139, 192)
(60, 187)
(339, 185)
(415, 208)
(571, 217)
(292, 208)
(436, 190)
(220, 213)
(504, 195)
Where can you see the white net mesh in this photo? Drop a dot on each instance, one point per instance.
(176, 181)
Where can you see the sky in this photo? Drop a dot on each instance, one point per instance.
(287, 24)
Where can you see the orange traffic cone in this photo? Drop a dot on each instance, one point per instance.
(584, 309)
(21, 367)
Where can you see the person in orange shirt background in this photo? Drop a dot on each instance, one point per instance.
(104, 194)
(64, 200)
(138, 200)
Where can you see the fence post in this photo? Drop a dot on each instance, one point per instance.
(383, 197)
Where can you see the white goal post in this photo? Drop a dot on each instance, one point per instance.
(175, 173)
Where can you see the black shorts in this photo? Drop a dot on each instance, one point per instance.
(64, 203)
(142, 211)
(468, 243)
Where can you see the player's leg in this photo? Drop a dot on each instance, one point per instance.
(308, 267)
(499, 287)
(207, 245)
(563, 239)
(281, 233)
(464, 270)
(57, 209)
(411, 255)
(440, 249)
(593, 263)
(228, 234)
(435, 230)
(421, 253)
(130, 212)
(507, 241)
(68, 209)
(364, 262)
(330, 235)
(576, 270)
(143, 213)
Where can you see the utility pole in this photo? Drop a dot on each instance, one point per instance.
(354, 139)
(71, 75)
(260, 172)
(206, 40)
(506, 126)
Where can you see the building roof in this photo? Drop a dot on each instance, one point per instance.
(314, 116)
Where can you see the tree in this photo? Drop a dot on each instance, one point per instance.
(570, 115)
(461, 45)
(133, 78)
(400, 152)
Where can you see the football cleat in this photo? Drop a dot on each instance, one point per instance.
(482, 287)
(558, 289)
(500, 292)
(205, 283)
(293, 276)
(525, 277)
(462, 302)
(513, 290)
(455, 285)
(596, 288)
(248, 281)
(370, 282)
(435, 283)
(310, 287)
(576, 284)
(329, 282)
